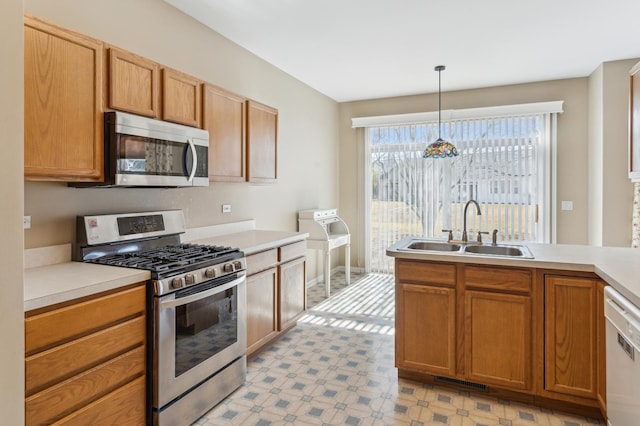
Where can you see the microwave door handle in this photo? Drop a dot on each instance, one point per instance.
(194, 166)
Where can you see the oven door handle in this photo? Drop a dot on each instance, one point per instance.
(204, 294)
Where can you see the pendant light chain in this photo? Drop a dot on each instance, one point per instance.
(440, 68)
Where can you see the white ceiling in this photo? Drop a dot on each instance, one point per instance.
(365, 49)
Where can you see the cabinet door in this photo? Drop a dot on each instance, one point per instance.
(425, 328)
(133, 83)
(570, 335)
(63, 137)
(180, 98)
(634, 124)
(261, 308)
(262, 146)
(602, 348)
(223, 115)
(292, 292)
(498, 332)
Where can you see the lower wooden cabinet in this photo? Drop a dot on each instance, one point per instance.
(425, 328)
(532, 333)
(85, 361)
(498, 332)
(571, 335)
(262, 308)
(602, 348)
(276, 292)
(292, 292)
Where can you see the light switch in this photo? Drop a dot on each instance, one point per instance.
(567, 205)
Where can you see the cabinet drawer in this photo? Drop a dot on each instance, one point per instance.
(121, 407)
(80, 390)
(260, 261)
(508, 279)
(56, 364)
(426, 272)
(60, 325)
(291, 251)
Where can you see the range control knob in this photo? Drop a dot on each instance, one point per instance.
(237, 264)
(228, 267)
(209, 273)
(189, 279)
(176, 283)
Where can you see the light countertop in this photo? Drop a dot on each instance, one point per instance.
(253, 241)
(51, 284)
(618, 266)
(51, 277)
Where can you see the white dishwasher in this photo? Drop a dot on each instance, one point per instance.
(623, 359)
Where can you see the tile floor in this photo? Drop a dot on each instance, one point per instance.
(336, 367)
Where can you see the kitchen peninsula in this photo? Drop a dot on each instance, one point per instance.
(523, 329)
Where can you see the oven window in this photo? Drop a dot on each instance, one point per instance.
(204, 328)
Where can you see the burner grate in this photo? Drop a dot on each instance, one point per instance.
(167, 258)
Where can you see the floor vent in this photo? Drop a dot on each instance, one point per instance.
(463, 383)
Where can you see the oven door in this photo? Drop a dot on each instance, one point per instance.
(197, 332)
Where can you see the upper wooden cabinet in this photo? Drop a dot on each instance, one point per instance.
(223, 115)
(634, 124)
(133, 83)
(181, 98)
(262, 138)
(63, 90)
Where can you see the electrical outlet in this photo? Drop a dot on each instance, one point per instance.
(226, 208)
(26, 222)
(567, 205)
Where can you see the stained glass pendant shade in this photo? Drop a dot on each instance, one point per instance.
(440, 148)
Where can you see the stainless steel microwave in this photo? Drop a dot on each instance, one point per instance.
(144, 152)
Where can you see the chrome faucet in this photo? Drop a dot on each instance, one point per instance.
(464, 228)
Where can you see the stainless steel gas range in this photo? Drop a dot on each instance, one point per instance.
(196, 306)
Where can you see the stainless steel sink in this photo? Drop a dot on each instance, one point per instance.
(433, 246)
(499, 250)
(455, 247)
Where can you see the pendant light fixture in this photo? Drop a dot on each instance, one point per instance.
(440, 148)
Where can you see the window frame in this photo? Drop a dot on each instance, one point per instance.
(546, 179)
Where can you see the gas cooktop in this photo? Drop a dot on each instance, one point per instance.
(172, 258)
(151, 241)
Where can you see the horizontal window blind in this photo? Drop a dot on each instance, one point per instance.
(499, 166)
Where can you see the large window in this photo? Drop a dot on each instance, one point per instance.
(504, 164)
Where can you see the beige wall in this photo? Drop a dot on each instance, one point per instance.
(595, 165)
(610, 190)
(617, 189)
(307, 138)
(11, 194)
(571, 150)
